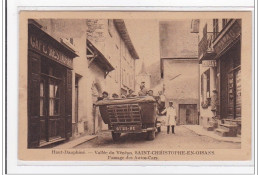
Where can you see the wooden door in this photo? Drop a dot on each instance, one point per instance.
(188, 114)
(34, 69)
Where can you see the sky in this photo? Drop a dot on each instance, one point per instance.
(144, 35)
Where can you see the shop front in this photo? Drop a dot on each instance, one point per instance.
(228, 48)
(50, 66)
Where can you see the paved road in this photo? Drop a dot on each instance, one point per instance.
(183, 139)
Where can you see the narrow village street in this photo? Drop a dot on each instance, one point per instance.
(183, 139)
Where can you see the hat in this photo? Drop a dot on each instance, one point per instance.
(171, 101)
(105, 92)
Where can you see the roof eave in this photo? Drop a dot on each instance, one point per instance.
(122, 30)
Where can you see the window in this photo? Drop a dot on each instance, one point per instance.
(42, 95)
(205, 88)
(224, 22)
(54, 98)
(109, 21)
(50, 86)
(215, 28)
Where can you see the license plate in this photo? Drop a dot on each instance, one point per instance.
(129, 128)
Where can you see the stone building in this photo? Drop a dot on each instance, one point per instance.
(220, 70)
(180, 69)
(104, 61)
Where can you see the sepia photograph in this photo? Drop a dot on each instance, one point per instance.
(124, 86)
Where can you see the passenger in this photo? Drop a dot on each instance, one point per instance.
(114, 95)
(143, 91)
(131, 93)
(150, 92)
(170, 117)
(105, 95)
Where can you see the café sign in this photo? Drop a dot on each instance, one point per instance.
(209, 63)
(48, 50)
(230, 36)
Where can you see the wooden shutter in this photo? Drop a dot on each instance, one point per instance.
(68, 110)
(34, 70)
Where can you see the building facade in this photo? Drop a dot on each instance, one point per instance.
(62, 90)
(50, 65)
(180, 69)
(220, 71)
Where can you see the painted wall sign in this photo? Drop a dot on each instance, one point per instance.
(229, 37)
(48, 50)
(209, 63)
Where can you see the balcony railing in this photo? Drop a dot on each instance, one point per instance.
(205, 50)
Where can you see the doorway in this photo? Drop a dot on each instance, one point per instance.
(188, 114)
(52, 124)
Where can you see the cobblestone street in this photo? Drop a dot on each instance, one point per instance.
(183, 139)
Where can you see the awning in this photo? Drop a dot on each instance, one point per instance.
(95, 56)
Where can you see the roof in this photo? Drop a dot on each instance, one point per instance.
(122, 30)
(100, 60)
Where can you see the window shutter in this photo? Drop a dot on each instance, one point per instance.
(68, 110)
(34, 70)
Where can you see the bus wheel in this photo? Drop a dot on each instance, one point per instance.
(150, 135)
(116, 136)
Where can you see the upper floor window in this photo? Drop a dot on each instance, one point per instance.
(224, 22)
(215, 28)
(109, 22)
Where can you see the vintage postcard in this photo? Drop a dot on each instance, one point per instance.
(135, 86)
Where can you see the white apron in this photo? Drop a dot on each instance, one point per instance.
(170, 116)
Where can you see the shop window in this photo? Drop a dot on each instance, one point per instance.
(54, 98)
(205, 89)
(42, 98)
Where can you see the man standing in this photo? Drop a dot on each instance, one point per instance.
(143, 90)
(170, 117)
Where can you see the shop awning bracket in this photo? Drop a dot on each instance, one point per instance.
(92, 59)
(106, 73)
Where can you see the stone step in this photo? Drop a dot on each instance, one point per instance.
(226, 133)
(221, 132)
(209, 128)
(222, 126)
(213, 124)
(228, 127)
(229, 121)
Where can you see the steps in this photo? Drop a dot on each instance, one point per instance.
(227, 130)
(211, 125)
(209, 128)
(225, 127)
